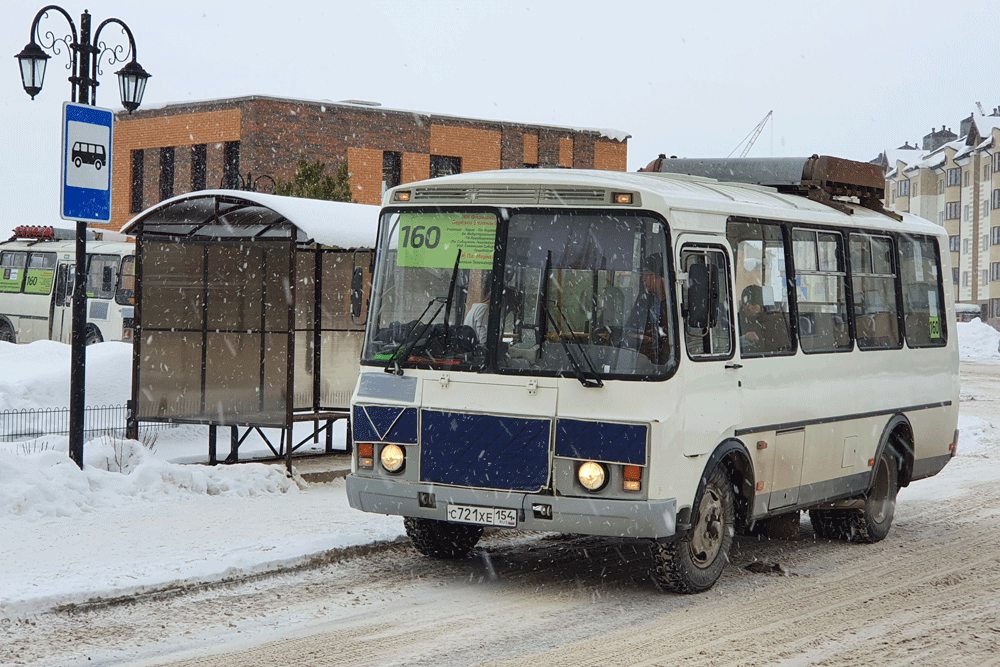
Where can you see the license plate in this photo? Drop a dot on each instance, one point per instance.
(483, 516)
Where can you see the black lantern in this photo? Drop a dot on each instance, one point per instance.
(32, 61)
(132, 84)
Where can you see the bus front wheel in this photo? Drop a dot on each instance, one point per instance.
(92, 335)
(440, 539)
(694, 562)
(7, 334)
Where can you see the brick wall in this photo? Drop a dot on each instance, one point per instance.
(275, 133)
(611, 156)
(478, 148)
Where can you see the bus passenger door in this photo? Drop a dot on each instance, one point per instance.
(61, 320)
(711, 389)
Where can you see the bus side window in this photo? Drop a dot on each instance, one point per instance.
(12, 269)
(873, 274)
(716, 340)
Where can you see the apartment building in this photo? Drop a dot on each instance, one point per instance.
(954, 180)
(235, 143)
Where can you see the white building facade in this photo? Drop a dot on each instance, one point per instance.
(955, 181)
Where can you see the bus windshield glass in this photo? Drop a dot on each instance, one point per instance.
(582, 294)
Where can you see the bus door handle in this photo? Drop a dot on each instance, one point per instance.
(734, 366)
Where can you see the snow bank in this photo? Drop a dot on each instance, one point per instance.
(978, 341)
(38, 479)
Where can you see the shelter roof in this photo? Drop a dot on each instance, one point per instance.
(252, 214)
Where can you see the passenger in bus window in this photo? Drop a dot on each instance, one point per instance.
(478, 314)
(647, 322)
(760, 331)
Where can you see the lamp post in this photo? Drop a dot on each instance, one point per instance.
(85, 55)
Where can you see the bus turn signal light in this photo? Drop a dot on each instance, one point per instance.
(622, 197)
(403, 195)
(633, 478)
(366, 455)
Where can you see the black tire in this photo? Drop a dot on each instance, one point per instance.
(440, 539)
(98, 164)
(91, 336)
(7, 334)
(694, 562)
(77, 162)
(871, 523)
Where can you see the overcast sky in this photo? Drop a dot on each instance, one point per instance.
(690, 79)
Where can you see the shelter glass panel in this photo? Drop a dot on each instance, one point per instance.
(173, 285)
(339, 367)
(170, 375)
(235, 287)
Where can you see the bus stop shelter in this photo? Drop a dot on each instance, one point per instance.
(243, 314)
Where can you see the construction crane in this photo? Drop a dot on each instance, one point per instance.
(755, 133)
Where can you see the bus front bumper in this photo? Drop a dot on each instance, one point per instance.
(587, 516)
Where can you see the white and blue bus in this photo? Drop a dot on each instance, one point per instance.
(659, 356)
(37, 272)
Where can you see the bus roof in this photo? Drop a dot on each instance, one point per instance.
(678, 193)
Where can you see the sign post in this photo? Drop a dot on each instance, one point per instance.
(85, 197)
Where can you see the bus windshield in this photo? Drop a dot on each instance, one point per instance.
(581, 294)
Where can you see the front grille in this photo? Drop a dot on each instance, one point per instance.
(484, 451)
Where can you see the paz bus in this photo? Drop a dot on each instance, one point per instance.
(702, 349)
(37, 271)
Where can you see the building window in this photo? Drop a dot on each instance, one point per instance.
(986, 173)
(996, 235)
(965, 211)
(954, 243)
(996, 199)
(966, 178)
(954, 275)
(965, 279)
(986, 278)
(903, 189)
(166, 172)
(965, 246)
(996, 307)
(941, 187)
(952, 210)
(231, 165)
(138, 163)
(996, 162)
(443, 165)
(986, 243)
(954, 177)
(392, 169)
(199, 167)
(915, 189)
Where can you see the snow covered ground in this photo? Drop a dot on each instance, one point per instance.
(135, 519)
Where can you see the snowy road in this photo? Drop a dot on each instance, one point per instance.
(928, 594)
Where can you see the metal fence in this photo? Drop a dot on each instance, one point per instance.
(27, 424)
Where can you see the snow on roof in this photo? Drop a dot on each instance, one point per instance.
(962, 153)
(607, 133)
(986, 124)
(904, 155)
(329, 223)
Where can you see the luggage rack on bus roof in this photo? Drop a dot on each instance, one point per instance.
(819, 177)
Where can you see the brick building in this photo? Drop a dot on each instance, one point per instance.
(180, 148)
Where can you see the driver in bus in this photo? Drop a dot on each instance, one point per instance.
(647, 322)
(760, 331)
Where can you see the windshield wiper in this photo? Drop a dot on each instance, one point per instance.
(392, 364)
(409, 339)
(595, 379)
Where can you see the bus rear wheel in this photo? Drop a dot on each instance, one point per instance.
(7, 334)
(693, 563)
(440, 539)
(868, 524)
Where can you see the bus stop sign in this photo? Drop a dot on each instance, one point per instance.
(86, 163)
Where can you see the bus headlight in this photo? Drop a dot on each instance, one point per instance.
(393, 458)
(592, 475)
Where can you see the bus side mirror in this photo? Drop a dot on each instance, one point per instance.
(360, 258)
(702, 296)
(357, 290)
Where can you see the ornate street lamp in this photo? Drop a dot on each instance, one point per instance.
(85, 60)
(85, 55)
